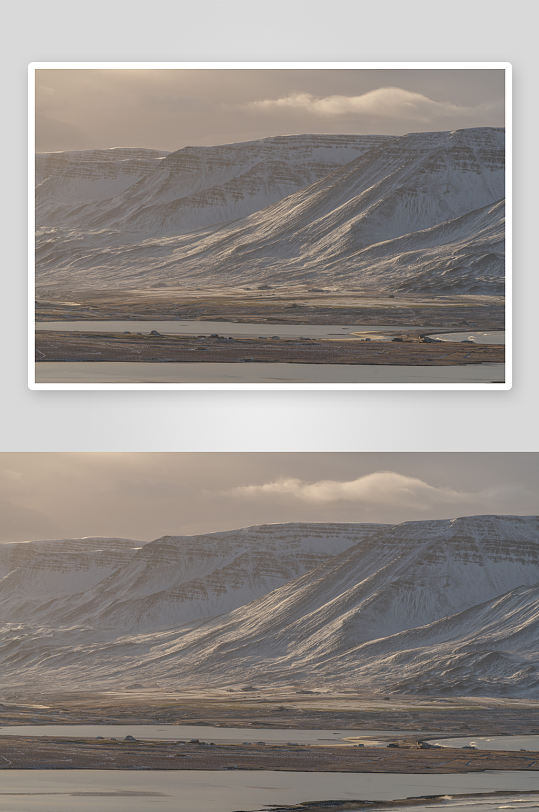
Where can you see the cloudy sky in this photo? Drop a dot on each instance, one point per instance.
(169, 109)
(147, 495)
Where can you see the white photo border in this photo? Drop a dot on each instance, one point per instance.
(34, 66)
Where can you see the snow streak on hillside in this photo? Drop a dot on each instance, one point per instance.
(448, 606)
(421, 212)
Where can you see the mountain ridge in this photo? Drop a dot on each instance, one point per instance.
(172, 579)
(421, 212)
(197, 186)
(429, 607)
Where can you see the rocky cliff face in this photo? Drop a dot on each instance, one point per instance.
(404, 578)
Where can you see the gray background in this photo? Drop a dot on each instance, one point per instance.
(268, 30)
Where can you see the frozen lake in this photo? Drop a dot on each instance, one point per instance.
(205, 733)
(125, 372)
(226, 791)
(493, 742)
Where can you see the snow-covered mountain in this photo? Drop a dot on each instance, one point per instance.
(190, 188)
(169, 581)
(421, 212)
(490, 649)
(63, 557)
(67, 180)
(446, 606)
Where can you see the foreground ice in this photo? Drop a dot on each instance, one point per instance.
(111, 373)
(224, 791)
(493, 742)
(488, 337)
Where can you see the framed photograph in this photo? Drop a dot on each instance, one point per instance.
(331, 628)
(269, 225)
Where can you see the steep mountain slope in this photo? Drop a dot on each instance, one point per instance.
(419, 212)
(408, 576)
(197, 186)
(33, 573)
(426, 607)
(490, 649)
(79, 554)
(66, 180)
(172, 580)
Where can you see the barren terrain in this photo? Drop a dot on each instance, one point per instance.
(282, 305)
(291, 306)
(26, 752)
(246, 708)
(76, 346)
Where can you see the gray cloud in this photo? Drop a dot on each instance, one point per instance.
(391, 103)
(381, 487)
(390, 490)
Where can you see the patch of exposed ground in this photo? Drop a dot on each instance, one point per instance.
(411, 351)
(25, 752)
(422, 800)
(268, 307)
(276, 708)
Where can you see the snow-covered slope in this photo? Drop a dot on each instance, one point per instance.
(195, 186)
(169, 581)
(405, 577)
(428, 607)
(421, 212)
(61, 559)
(490, 649)
(67, 180)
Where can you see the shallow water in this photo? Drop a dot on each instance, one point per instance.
(226, 791)
(490, 337)
(493, 742)
(112, 372)
(223, 328)
(205, 733)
